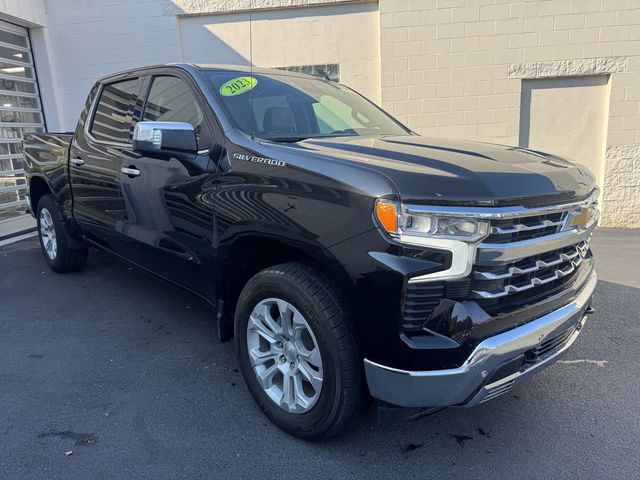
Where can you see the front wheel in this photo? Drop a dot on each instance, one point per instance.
(61, 252)
(296, 351)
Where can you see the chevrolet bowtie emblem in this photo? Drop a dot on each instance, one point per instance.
(578, 219)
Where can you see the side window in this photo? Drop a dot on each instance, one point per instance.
(117, 112)
(171, 100)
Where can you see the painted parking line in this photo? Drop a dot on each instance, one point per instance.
(17, 238)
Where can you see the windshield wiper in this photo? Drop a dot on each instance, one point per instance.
(287, 139)
(293, 139)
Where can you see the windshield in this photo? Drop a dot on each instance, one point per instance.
(287, 108)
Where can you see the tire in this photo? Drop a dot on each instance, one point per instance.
(61, 252)
(340, 395)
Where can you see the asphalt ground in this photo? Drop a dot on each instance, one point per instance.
(125, 372)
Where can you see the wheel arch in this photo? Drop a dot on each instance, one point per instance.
(249, 254)
(38, 188)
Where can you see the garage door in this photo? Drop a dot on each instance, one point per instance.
(20, 113)
(343, 39)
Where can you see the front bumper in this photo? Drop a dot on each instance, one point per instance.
(495, 366)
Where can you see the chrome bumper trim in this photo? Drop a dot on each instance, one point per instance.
(463, 386)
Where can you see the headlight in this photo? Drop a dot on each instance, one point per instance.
(458, 235)
(400, 222)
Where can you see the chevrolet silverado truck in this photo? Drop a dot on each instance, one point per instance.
(347, 256)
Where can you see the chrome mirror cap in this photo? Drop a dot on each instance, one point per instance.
(165, 138)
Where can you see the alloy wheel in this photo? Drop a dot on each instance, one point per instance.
(284, 355)
(48, 234)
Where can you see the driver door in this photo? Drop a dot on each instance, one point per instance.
(168, 230)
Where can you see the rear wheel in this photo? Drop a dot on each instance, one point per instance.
(296, 351)
(61, 252)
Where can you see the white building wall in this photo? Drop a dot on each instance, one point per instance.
(92, 38)
(23, 12)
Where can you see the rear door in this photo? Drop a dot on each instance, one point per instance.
(168, 228)
(100, 144)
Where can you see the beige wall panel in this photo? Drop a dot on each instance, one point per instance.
(348, 35)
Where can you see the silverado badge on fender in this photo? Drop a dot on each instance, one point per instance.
(254, 159)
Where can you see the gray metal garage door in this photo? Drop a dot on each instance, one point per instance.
(20, 113)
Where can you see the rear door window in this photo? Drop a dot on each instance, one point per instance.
(117, 112)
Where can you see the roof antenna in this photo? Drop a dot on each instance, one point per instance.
(253, 136)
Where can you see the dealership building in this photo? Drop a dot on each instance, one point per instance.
(555, 75)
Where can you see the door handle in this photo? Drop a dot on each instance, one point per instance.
(77, 161)
(132, 172)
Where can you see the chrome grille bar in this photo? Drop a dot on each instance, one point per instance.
(538, 265)
(521, 227)
(534, 282)
(494, 254)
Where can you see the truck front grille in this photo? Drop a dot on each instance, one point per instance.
(512, 271)
(528, 255)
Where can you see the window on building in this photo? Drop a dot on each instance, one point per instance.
(20, 113)
(116, 112)
(331, 70)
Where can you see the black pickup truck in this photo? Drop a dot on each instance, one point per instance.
(348, 257)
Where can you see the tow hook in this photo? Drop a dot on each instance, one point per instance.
(589, 310)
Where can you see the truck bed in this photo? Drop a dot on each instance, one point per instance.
(40, 146)
(46, 159)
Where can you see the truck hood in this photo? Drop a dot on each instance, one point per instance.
(428, 170)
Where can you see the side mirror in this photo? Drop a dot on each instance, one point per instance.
(165, 139)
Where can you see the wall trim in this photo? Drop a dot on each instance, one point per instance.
(213, 7)
(568, 68)
(21, 22)
(620, 192)
(624, 151)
